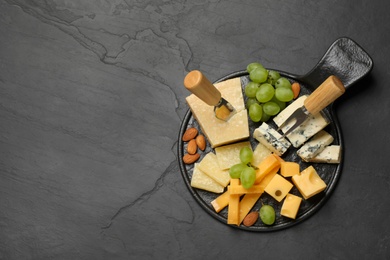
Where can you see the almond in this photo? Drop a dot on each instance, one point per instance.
(192, 147)
(190, 158)
(251, 219)
(201, 142)
(296, 88)
(189, 134)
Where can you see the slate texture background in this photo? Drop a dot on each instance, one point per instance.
(91, 102)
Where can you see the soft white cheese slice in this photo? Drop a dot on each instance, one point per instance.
(219, 132)
(315, 145)
(260, 153)
(209, 165)
(331, 154)
(306, 130)
(271, 139)
(229, 155)
(202, 181)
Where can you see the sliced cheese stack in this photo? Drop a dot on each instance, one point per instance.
(315, 145)
(219, 132)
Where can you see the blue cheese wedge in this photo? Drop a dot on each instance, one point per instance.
(219, 132)
(271, 139)
(202, 181)
(315, 145)
(331, 154)
(229, 155)
(306, 130)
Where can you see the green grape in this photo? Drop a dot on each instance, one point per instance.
(251, 89)
(267, 214)
(271, 108)
(265, 117)
(281, 104)
(282, 83)
(258, 75)
(252, 66)
(284, 94)
(255, 112)
(248, 177)
(265, 93)
(246, 155)
(273, 76)
(235, 170)
(251, 101)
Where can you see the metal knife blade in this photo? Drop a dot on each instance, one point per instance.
(331, 89)
(200, 86)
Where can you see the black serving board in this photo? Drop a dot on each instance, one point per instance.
(346, 60)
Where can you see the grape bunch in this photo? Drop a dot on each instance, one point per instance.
(267, 92)
(244, 170)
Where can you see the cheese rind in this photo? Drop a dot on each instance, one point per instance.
(331, 154)
(315, 145)
(219, 132)
(200, 180)
(290, 206)
(221, 201)
(312, 125)
(308, 182)
(271, 139)
(229, 155)
(278, 187)
(209, 165)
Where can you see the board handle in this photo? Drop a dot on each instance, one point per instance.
(324, 95)
(344, 59)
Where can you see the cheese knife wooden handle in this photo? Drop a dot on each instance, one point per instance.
(325, 94)
(199, 85)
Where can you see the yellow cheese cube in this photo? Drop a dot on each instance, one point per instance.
(209, 165)
(234, 205)
(290, 206)
(266, 166)
(221, 201)
(200, 180)
(229, 155)
(308, 182)
(288, 169)
(278, 187)
(219, 132)
(247, 203)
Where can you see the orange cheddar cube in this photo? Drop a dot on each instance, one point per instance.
(290, 206)
(288, 169)
(278, 187)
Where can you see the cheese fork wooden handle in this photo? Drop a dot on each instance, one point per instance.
(325, 94)
(199, 85)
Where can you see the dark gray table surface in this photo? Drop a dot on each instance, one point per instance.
(92, 99)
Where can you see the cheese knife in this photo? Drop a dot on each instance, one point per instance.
(331, 89)
(201, 87)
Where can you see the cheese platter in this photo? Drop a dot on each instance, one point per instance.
(349, 63)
